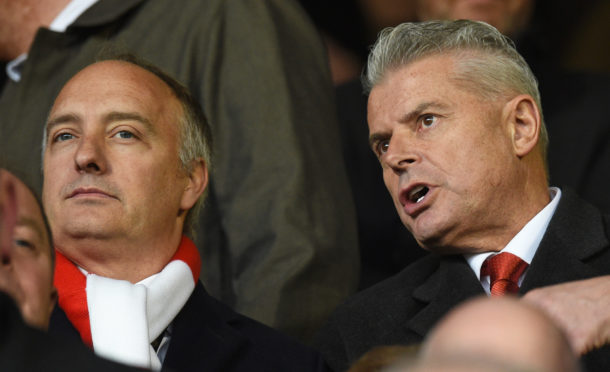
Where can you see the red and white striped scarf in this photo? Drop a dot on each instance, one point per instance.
(119, 319)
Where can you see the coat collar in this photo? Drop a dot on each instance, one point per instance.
(203, 324)
(452, 283)
(575, 234)
(104, 12)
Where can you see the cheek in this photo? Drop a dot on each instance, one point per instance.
(35, 277)
(390, 179)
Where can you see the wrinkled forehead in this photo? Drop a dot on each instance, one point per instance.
(119, 87)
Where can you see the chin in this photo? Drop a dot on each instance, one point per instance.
(95, 229)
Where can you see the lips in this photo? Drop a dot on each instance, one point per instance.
(89, 192)
(414, 198)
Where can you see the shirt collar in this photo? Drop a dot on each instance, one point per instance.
(525, 243)
(64, 19)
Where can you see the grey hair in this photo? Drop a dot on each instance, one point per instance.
(195, 133)
(487, 62)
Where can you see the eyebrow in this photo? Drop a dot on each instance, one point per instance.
(424, 106)
(62, 119)
(133, 116)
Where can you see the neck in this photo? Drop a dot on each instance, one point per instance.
(512, 207)
(20, 20)
(530, 199)
(121, 259)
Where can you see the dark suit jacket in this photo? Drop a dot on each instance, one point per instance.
(402, 309)
(23, 348)
(208, 336)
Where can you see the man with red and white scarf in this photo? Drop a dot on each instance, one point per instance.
(126, 159)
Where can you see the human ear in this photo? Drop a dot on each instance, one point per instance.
(524, 122)
(197, 182)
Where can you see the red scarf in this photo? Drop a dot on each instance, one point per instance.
(71, 286)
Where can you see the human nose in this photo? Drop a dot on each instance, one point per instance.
(90, 156)
(401, 154)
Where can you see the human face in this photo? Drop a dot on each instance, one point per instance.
(26, 270)
(508, 16)
(446, 155)
(111, 166)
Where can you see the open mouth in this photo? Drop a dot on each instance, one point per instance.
(418, 193)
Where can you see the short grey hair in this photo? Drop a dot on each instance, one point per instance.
(195, 133)
(487, 62)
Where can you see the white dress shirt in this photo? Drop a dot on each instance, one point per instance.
(64, 19)
(522, 245)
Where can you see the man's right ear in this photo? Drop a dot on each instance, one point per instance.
(197, 182)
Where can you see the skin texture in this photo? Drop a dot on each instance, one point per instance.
(580, 308)
(26, 270)
(476, 157)
(114, 188)
(503, 329)
(509, 16)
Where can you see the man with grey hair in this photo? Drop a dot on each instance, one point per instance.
(455, 120)
(126, 158)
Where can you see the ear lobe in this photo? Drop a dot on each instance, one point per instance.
(197, 182)
(525, 123)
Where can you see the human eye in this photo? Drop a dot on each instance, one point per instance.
(124, 134)
(383, 146)
(428, 120)
(26, 237)
(380, 147)
(63, 136)
(24, 243)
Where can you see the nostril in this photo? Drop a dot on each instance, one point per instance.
(93, 165)
(6, 259)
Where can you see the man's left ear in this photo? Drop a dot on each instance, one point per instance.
(197, 182)
(524, 122)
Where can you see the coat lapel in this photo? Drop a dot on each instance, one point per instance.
(202, 338)
(452, 283)
(575, 235)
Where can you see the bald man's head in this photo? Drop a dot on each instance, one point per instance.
(503, 329)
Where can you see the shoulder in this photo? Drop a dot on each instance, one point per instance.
(375, 316)
(209, 333)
